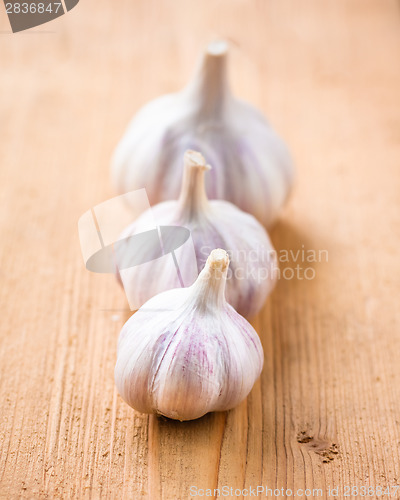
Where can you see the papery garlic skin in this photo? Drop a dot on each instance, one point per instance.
(187, 352)
(212, 223)
(252, 167)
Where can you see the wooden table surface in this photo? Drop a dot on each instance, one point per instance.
(326, 410)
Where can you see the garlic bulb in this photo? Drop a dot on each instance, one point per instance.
(252, 167)
(187, 352)
(212, 223)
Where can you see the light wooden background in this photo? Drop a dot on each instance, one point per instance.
(326, 411)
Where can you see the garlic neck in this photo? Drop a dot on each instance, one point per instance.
(193, 200)
(209, 88)
(209, 288)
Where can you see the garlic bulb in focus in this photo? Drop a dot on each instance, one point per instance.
(212, 224)
(187, 352)
(252, 167)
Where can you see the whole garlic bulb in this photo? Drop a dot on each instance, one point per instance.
(187, 352)
(212, 223)
(252, 167)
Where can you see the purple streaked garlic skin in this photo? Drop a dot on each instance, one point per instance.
(187, 352)
(252, 167)
(212, 224)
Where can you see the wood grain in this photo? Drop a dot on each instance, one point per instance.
(325, 412)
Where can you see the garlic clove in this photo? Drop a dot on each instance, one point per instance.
(212, 223)
(252, 167)
(187, 352)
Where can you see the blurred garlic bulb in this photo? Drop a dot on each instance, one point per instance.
(252, 167)
(187, 352)
(212, 223)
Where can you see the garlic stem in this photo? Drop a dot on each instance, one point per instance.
(193, 198)
(209, 288)
(210, 84)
